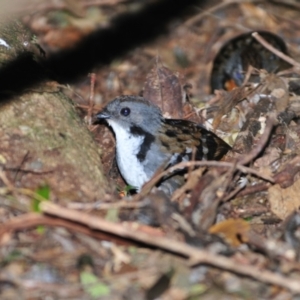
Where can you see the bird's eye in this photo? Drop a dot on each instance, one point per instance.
(125, 111)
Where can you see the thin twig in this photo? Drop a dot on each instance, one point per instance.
(260, 187)
(187, 164)
(268, 46)
(222, 164)
(233, 193)
(247, 270)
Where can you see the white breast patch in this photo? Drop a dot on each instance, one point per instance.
(128, 146)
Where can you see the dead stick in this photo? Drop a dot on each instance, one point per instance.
(32, 220)
(195, 255)
(247, 270)
(186, 164)
(212, 163)
(268, 46)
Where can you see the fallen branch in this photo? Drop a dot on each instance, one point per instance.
(195, 255)
(32, 220)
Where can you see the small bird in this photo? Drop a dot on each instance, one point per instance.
(146, 141)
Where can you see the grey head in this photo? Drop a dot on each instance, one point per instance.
(131, 112)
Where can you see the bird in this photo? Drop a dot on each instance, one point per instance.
(234, 58)
(146, 141)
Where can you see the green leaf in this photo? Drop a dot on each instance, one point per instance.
(35, 205)
(128, 188)
(126, 191)
(44, 191)
(42, 194)
(93, 286)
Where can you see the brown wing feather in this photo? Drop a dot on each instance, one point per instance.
(180, 135)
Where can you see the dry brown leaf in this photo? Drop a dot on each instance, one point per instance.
(277, 88)
(226, 101)
(163, 88)
(234, 231)
(284, 201)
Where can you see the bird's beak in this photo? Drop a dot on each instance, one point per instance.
(101, 115)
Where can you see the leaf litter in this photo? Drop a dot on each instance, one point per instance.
(230, 232)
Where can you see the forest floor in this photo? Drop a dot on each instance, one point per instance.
(233, 233)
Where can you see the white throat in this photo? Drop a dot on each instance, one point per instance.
(127, 148)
